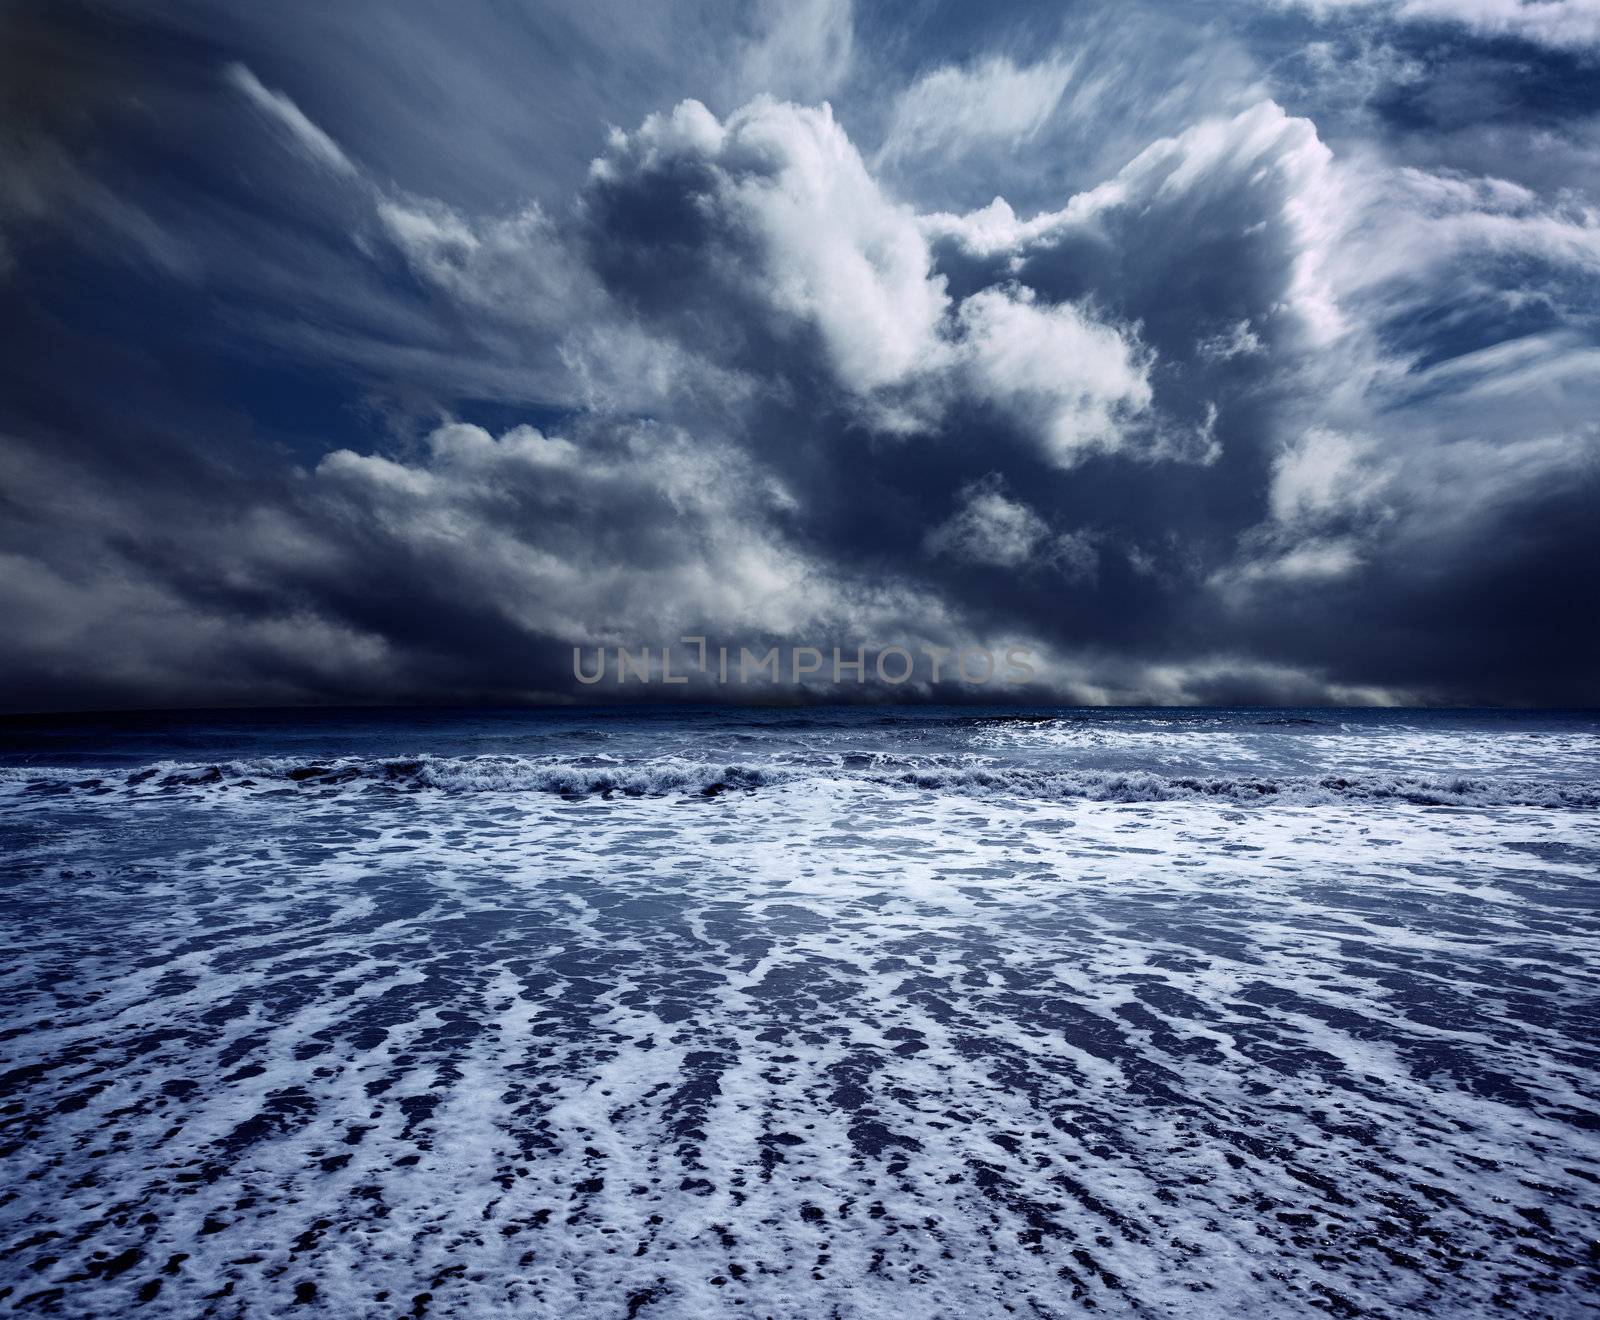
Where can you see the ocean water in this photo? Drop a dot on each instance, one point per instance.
(810, 1013)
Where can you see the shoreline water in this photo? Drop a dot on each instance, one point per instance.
(827, 1045)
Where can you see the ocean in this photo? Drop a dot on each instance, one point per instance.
(844, 1012)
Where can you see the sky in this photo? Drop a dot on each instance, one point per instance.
(1245, 352)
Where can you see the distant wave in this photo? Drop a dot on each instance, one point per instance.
(582, 777)
(1144, 786)
(603, 777)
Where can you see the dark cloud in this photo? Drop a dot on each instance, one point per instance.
(367, 356)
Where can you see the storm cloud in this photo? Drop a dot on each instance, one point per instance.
(380, 357)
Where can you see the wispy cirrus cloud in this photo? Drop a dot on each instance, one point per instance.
(306, 137)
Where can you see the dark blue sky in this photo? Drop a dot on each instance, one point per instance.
(370, 352)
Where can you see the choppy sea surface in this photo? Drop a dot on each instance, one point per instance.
(811, 1013)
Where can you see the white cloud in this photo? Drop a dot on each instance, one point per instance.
(1319, 559)
(833, 248)
(953, 110)
(642, 535)
(836, 251)
(1331, 497)
(1076, 382)
(1264, 149)
(804, 50)
(1561, 23)
(991, 529)
(1325, 474)
(307, 138)
(517, 267)
(1238, 340)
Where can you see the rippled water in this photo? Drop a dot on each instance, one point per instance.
(810, 1013)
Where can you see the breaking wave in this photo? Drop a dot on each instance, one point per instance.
(578, 778)
(600, 777)
(1144, 786)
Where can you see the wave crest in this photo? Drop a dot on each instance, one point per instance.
(1144, 786)
(604, 777)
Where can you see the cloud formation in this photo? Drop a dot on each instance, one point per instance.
(1564, 23)
(306, 137)
(1273, 406)
(994, 104)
